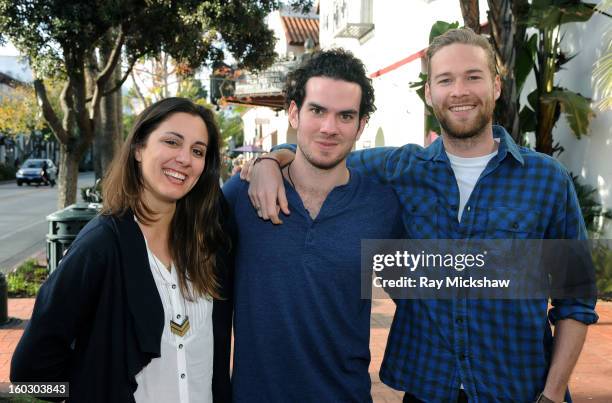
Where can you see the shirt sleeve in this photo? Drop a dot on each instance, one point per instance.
(569, 224)
(378, 163)
(223, 309)
(65, 303)
(290, 147)
(231, 190)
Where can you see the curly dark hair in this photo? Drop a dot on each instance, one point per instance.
(338, 64)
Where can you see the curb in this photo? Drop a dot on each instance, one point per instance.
(40, 256)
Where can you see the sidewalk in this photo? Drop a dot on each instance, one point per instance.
(590, 382)
(20, 308)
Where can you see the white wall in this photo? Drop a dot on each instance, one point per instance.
(591, 156)
(270, 123)
(269, 120)
(274, 22)
(401, 28)
(276, 25)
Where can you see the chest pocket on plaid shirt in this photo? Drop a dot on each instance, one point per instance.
(507, 223)
(421, 221)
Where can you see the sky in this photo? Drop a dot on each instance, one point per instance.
(8, 50)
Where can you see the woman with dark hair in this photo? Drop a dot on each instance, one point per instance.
(127, 316)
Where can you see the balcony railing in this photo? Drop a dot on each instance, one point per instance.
(267, 82)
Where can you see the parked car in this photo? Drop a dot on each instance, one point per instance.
(33, 171)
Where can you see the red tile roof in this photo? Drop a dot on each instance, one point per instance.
(299, 29)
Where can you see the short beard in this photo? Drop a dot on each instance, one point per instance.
(323, 166)
(477, 129)
(319, 165)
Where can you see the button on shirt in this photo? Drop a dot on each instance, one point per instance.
(467, 171)
(301, 328)
(498, 349)
(183, 373)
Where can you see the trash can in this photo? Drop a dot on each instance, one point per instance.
(64, 226)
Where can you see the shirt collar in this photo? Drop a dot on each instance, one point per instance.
(507, 145)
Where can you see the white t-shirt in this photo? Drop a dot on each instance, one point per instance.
(184, 371)
(467, 171)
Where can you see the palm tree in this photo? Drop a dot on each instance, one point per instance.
(471, 14)
(602, 73)
(507, 38)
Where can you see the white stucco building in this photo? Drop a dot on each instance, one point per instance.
(389, 39)
(591, 156)
(266, 123)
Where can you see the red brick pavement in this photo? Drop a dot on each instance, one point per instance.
(591, 381)
(20, 308)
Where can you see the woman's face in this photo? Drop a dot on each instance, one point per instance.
(172, 159)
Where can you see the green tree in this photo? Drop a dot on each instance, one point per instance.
(470, 11)
(160, 77)
(19, 113)
(507, 38)
(108, 125)
(542, 54)
(231, 125)
(60, 38)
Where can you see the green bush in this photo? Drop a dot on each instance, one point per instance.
(26, 280)
(602, 258)
(7, 172)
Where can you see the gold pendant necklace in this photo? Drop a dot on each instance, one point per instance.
(178, 328)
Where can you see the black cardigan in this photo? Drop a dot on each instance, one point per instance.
(98, 319)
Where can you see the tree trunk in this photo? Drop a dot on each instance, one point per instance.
(507, 37)
(76, 131)
(108, 130)
(96, 146)
(471, 14)
(107, 134)
(546, 111)
(108, 139)
(118, 117)
(68, 176)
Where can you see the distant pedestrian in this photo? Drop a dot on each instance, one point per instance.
(127, 316)
(45, 173)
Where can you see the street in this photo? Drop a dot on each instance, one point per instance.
(23, 224)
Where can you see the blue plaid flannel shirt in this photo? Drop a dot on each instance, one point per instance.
(498, 349)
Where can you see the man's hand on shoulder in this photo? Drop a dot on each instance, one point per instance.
(266, 188)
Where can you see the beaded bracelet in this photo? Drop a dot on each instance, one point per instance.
(259, 159)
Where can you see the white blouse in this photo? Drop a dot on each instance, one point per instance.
(183, 373)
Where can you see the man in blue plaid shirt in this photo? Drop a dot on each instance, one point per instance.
(473, 182)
